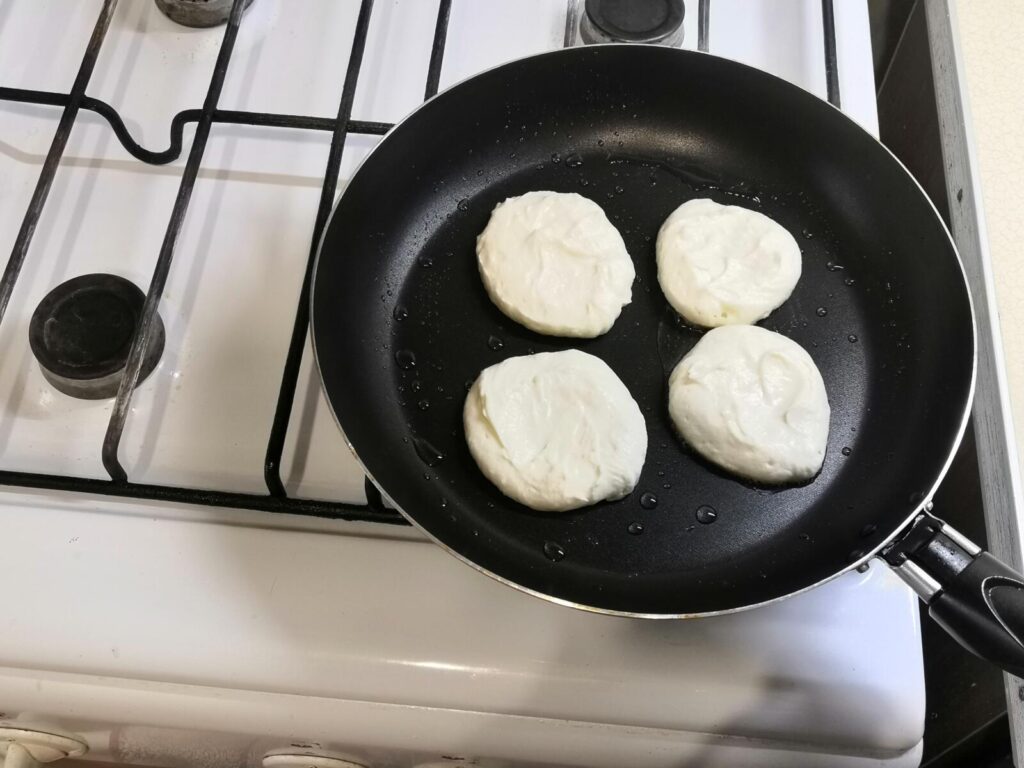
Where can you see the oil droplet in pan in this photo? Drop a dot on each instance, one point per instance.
(553, 551)
(706, 514)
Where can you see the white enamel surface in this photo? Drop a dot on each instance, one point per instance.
(392, 735)
(210, 636)
(234, 605)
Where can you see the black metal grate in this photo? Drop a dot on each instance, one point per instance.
(276, 500)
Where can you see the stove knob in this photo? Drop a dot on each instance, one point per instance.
(633, 21)
(29, 745)
(298, 758)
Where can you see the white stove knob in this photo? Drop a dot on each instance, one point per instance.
(297, 759)
(29, 745)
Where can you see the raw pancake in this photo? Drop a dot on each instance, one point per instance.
(753, 402)
(553, 262)
(722, 264)
(555, 431)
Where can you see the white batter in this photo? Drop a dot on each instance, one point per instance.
(555, 431)
(753, 402)
(553, 262)
(722, 264)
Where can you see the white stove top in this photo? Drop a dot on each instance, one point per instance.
(204, 416)
(269, 627)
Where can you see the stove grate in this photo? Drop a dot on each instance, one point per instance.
(277, 499)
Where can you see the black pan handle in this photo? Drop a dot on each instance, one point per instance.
(972, 595)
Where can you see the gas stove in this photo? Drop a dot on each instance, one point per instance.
(202, 574)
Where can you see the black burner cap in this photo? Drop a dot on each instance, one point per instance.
(198, 13)
(636, 21)
(82, 331)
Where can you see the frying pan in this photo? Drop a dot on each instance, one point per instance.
(402, 325)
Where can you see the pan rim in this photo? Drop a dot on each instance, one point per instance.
(924, 504)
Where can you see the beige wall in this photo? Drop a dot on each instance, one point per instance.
(992, 40)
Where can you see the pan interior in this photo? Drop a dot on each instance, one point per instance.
(402, 324)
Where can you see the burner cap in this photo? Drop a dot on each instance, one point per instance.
(633, 21)
(197, 13)
(82, 331)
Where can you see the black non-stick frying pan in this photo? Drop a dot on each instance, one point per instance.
(402, 325)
